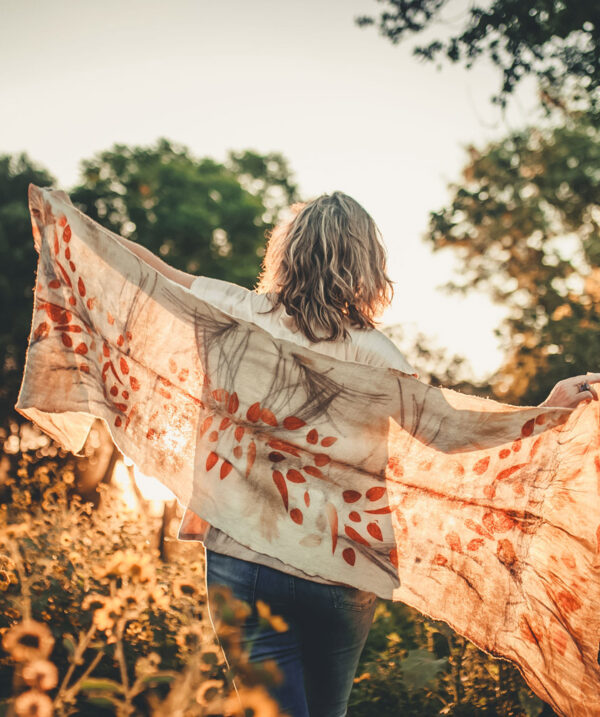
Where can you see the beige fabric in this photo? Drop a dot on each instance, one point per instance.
(370, 347)
(483, 515)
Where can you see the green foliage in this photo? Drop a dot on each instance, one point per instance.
(18, 261)
(554, 40)
(525, 225)
(419, 668)
(199, 215)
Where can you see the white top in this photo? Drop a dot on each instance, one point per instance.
(367, 346)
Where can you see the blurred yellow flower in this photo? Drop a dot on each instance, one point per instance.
(33, 704)
(41, 674)
(276, 621)
(256, 699)
(207, 691)
(28, 640)
(184, 588)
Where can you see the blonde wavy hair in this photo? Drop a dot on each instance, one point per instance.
(327, 267)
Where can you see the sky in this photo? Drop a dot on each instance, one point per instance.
(348, 109)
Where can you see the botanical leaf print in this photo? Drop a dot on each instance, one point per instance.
(484, 515)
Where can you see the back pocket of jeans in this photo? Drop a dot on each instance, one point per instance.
(345, 597)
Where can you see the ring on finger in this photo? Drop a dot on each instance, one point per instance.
(584, 386)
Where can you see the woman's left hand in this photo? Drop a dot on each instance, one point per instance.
(571, 391)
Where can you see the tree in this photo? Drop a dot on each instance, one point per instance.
(554, 40)
(18, 258)
(525, 224)
(201, 216)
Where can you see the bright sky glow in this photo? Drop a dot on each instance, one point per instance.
(348, 110)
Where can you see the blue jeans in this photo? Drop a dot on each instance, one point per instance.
(327, 628)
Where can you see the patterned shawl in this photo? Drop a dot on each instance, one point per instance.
(483, 515)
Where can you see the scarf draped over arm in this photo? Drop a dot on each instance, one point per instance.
(484, 515)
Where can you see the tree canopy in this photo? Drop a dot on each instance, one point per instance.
(524, 222)
(554, 40)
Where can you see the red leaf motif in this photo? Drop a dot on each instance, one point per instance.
(454, 542)
(295, 476)
(394, 557)
(213, 436)
(375, 493)
(354, 516)
(220, 394)
(328, 441)
(224, 423)
(238, 433)
(114, 390)
(321, 459)
(292, 423)
(56, 248)
(41, 331)
(312, 471)
(527, 429)
(275, 457)
(312, 436)
(507, 472)
(211, 460)
(172, 366)
(296, 515)
(279, 481)
(351, 496)
(91, 303)
(67, 234)
(54, 284)
(506, 553)
(134, 383)
(354, 535)
(516, 446)
(253, 413)
(504, 453)
(349, 556)
(62, 220)
(67, 340)
(475, 544)
(306, 498)
(124, 367)
(81, 287)
(225, 469)
(72, 266)
(120, 341)
(481, 466)
(250, 457)
(237, 452)
(66, 277)
(332, 517)
(284, 446)
(374, 531)
(268, 417)
(234, 403)
(380, 511)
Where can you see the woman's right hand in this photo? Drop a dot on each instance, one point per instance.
(568, 394)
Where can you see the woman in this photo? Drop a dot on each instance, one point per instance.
(323, 284)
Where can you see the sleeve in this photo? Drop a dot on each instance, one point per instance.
(225, 295)
(379, 350)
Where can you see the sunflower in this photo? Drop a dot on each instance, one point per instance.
(28, 640)
(256, 699)
(276, 621)
(33, 704)
(207, 691)
(184, 588)
(41, 674)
